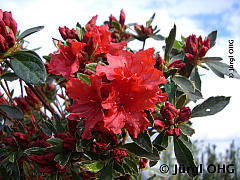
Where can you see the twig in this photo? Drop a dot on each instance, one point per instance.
(9, 96)
(20, 81)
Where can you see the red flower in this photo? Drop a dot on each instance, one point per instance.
(119, 154)
(66, 33)
(67, 59)
(100, 147)
(92, 23)
(7, 36)
(10, 141)
(159, 124)
(159, 62)
(87, 103)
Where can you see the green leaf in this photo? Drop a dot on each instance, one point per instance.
(212, 59)
(185, 84)
(79, 33)
(9, 76)
(161, 140)
(194, 96)
(221, 69)
(157, 37)
(91, 67)
(184, 155)
(59, 124)
(149, 22)
(64, 159)
(171, 90)
(152, 163)
(212, 37)
(169, 43)
(55, 141)
(195, 77)
(11, 157)
(144, 141)
(29, 67)
(149, 116)
(29, 32)
(84, 78)
(12, 112)
(210, 106)
(181, 101)
(93, 166)
(28, 171)
(137, 150)
(107, 172)
(186, 129)
(177, 57)
(131, 164)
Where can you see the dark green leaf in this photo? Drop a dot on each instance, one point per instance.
(28, 171)
(185, 84)
(170, 72)
(184, 156)
(157, 37)
(126, 168)
(161, 140)
(11, 157)
(186, 129)
(169, 43)
(132, 164)
(171, 90)
(29, 32)
(221, 69)
(152, 163)
(65, 158)
(107, 172)
(79, 33)
(3, 173)
(116, 25)
(84, 78)
(212, 59)
(177, 57)
(149, 22)
(118, 167)
(29, 67)
(210, 106)
(59, 124)
(35, 150)
(9, 76)
(194, 96)
(144, 141)
(12, 112)
(149, 116)
(55, 141)
(195, 77)
(212, 37)
(137, 150)
(181, 101)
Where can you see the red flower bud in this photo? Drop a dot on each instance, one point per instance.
(119, 154)
(150, 30)
(180, 65)
(31, 98)
(159, 125)
(10, 141)
(8, 31)
(184, 114)
(143, 163)
(168, 112)
(190, 57)
(192, 44)
(177, 132)
(69, 142)
(111, 19)
(170, 132)
(159, 62)
(122, 18)
(22, 104)
(100, 147)
(66, 33)
(91, 23)
(21, 138)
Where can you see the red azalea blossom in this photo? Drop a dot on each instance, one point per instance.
(69, 142)
(67, 59)
(143, 163)
(31, 98)
(22, 104)
(21, 138)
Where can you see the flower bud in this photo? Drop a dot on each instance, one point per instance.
(66, 33)
(159, 125)
(192, 44)
(143, 163)
(180, 65)
(119, 154)
(31, 98)
(22, 104)
(184, 114)
(122, 18)
(170, 132)
(177, 131)
(8, 31)
(168, 112)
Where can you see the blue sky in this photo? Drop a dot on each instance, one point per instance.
(199, 17)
